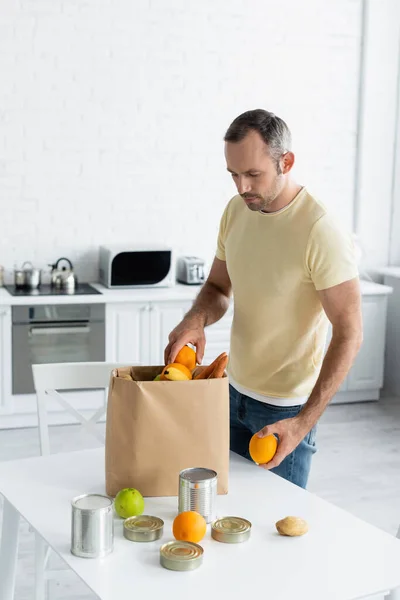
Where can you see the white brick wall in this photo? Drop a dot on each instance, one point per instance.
(112, 115)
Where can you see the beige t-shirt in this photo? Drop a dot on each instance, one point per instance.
(276, 263)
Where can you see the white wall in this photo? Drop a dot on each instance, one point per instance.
(112, 115)
(375, 209)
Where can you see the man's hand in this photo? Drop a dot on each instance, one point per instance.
(290, 433)
(189, 331)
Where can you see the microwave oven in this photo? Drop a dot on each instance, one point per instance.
(132, 267)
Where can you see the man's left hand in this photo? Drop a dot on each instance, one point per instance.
(290, 433)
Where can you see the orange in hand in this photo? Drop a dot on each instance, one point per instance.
(189, 526)
(186, 356)
(262, 450)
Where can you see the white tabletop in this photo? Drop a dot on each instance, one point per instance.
(341, 558)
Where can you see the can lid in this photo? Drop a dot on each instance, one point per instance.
(231, 526)
(91, 502)
(182, 552)
(197, 474)
(143, 523)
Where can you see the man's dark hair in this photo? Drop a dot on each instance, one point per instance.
(273, 130)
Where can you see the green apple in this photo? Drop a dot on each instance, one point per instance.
(157, 377)
(129, 503)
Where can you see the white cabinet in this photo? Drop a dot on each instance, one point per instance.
(128, 333)
(164, 316)
(5, 357)
(365, 378)
(367, 370)
(138, 332)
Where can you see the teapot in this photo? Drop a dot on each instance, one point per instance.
(63, 278)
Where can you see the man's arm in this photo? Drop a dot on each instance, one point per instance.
(210, 305)
(342, 305)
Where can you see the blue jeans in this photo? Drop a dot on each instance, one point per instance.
(247, 416)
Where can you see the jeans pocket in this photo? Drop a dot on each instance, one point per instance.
(311, 436)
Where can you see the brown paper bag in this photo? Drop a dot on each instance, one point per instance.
(154, 429)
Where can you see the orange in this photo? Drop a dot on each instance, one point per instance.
(175, 372)
(186, 356)
(262, 450)
(189, 526)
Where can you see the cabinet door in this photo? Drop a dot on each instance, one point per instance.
(164, 316)
(218, 337)
(128, 333)
(367, 370)
(5, 357)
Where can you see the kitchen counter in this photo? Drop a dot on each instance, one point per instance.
(150, 294)
(390, 271)
(108, 296)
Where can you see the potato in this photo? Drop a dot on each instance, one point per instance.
(292, 526)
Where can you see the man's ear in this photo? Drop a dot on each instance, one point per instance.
(287, 162)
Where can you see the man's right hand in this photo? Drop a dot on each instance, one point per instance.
(189, 331)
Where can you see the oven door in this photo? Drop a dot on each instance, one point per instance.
(53, 343)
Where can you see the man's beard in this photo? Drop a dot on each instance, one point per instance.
(264, 202)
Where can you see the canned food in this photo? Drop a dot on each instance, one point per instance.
(198, 492)
(143, 528)
(92, 527)
(181, 556)
(231, 530)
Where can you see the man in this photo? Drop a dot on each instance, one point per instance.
(291, 269)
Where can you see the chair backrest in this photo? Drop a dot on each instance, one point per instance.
(71, 376)
(49, 378)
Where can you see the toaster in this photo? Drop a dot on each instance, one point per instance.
(190, 270)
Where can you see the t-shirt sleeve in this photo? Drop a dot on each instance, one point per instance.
(330, 254)
(220, 251)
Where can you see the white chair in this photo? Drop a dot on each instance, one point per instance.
(49, 379)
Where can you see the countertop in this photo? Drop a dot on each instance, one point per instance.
(178, 292)
(390, 271)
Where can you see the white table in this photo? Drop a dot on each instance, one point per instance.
(341, 558)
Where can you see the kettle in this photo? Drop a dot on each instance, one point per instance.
(63, 278)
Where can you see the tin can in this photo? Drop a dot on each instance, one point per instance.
(143, 528)
(198, 491)
(231, 530)
(92, 527)
(181, 556)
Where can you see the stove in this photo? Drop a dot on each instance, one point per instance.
(48, 290)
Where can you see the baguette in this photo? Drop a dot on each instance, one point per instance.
(219, 368)
(207, 371)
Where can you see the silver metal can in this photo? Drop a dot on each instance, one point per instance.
(92, 527)
(181, 556)
(198, 492)
(231, 530)
(144, 528)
